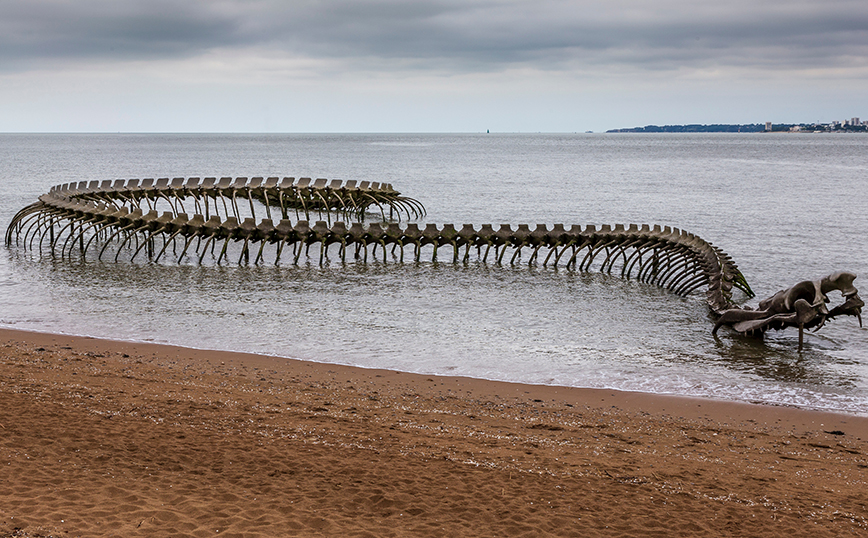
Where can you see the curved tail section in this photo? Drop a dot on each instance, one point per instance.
(83, 218)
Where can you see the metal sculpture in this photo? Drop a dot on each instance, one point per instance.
(802, 306)
(125, 216)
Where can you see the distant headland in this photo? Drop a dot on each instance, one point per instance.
(851, 125)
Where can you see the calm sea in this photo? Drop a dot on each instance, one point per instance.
(786, 207)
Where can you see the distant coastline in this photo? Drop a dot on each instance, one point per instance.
(853, 125)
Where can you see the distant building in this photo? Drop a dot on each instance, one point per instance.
(768, 126)
(854, 121)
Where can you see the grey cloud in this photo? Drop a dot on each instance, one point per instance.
(459, 34)
(34, 30)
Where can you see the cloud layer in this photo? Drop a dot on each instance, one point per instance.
(426, 65)
(462, 35)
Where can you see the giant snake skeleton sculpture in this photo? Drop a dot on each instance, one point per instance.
(123, 217)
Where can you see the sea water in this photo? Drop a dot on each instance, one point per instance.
(786, 207)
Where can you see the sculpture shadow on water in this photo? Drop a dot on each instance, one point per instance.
(775, 358)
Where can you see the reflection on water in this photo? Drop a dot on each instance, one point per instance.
(777, 360)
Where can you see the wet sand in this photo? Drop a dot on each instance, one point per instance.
(105, 438)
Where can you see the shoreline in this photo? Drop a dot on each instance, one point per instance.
(97, 434)
(633, 400)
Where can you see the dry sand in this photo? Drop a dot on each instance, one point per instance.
(103, 438)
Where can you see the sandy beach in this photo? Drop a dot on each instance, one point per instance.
(105, 438)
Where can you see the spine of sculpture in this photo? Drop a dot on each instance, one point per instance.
(123, 216)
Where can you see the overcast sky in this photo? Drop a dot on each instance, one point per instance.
(427, 65)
